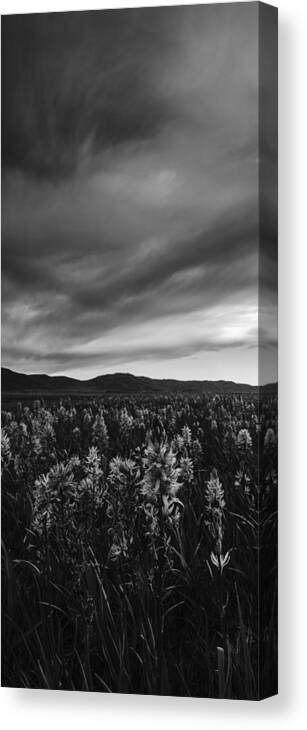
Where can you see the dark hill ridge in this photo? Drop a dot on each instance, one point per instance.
(124, 383)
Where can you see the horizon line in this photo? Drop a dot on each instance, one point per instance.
(148, 377)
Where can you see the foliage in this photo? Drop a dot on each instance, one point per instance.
(138, 532)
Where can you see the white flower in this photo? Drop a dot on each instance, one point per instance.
(161, 473)
(187, 471)
(244, 439)
(220, 561)
(6, 454)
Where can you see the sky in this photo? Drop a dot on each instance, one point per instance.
(130, 195)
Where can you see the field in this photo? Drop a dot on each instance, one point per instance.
(139, 551)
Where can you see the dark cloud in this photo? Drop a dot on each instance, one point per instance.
(73, 81)
(130, 193)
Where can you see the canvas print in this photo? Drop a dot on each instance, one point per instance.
(139, 351)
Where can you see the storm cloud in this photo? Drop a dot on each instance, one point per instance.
(130, 194)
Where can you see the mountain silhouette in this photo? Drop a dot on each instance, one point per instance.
(125, 383)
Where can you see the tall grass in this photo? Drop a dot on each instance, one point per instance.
(139, 546)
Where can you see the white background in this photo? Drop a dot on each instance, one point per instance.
(36, 709)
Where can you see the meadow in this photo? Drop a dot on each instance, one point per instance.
(140, 544)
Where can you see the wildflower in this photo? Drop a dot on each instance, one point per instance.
(196, 453)
(270, 438)
(161, 472)
(220, 561)
(160, 485)
(123, 479)
(93, 463)
(54, 496)
(36, 444)
(215, 504)
(6, 454)
(244, 440)
(270, 481)
(171, 509)
(229, 438)
(186, 435)
(91, 487)
(87, 418)
(6, 418)
(122, 471)
(214, 492)
(243, 480)
(119, 547)
(125, 421)
(151, 517)
(178, 443)
(187, 471)
(100, 432)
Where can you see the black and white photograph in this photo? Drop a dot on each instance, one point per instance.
(139, 351)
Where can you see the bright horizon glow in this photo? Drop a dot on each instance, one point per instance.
(199, 369)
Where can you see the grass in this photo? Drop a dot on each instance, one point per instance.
(109, 583)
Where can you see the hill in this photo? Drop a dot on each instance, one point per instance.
(124, 383)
